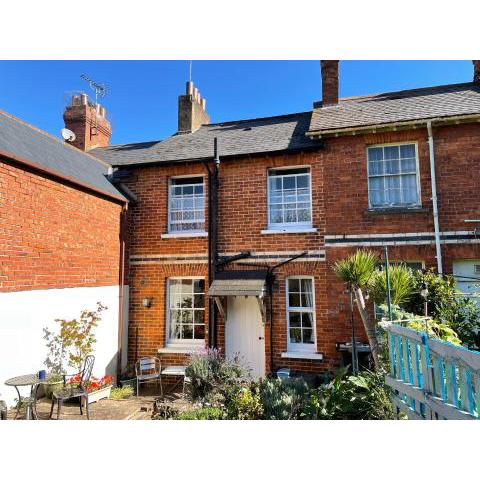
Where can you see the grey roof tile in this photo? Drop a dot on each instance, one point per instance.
(27, 142)
(260, 135)
(405, 105)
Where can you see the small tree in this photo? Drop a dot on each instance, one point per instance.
(357, 270)
(360, 272)
(74, 342)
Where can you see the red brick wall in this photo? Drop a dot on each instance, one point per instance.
(340, 206)
(457, 154)
(53, 235)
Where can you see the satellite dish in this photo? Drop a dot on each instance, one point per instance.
(68, 135)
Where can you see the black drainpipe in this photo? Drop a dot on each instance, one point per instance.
(213, 184)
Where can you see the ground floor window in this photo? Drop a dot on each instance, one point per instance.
(300, 314)
(186, 310)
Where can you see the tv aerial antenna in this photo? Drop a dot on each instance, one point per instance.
(100, 89)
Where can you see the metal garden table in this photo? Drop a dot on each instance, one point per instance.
(32, 381)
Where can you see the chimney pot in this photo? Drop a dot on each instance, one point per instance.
(476, 71)
(329, 82)
(191, 110)
(89, 124)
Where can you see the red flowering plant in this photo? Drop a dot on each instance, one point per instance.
(93, 384)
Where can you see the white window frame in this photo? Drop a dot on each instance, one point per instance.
(417, 174)
(301, 347)
(289, 225)
(181, 342)
(169, 223)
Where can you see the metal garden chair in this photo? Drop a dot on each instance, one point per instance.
(148, 369)
(80, 392)
(3, 410)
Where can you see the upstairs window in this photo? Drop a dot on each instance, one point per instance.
(289, 199)
(300, 314)
(186, 210)
(393, 176)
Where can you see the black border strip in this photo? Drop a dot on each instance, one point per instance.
(418, 238)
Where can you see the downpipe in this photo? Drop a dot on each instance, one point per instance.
(434, 198)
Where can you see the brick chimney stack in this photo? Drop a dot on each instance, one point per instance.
(88, 122)
(329, 82)
(476, 71)
(191, 110)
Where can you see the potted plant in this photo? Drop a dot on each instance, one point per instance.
(128, 377)
(97, 388)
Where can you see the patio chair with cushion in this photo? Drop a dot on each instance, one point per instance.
(74, 391)
(147, 370)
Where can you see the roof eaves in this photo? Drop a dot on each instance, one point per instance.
(318, 133)
(56, 174)
(152, 162)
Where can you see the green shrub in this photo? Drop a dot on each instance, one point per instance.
(441, 293)
(436, 329)
(122, 392)
(244, 403)
(204, 413)
(284, 399)
(347, 397)
(463, 316)
(211, 375)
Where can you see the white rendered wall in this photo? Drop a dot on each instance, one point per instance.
(23, 315)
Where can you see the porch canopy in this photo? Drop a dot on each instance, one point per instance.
(239, 283)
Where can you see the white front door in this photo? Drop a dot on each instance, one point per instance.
(245, 334)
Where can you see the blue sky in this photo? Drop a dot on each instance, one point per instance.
(142, 102)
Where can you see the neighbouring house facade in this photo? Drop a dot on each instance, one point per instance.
(232, 228)
(60, 250)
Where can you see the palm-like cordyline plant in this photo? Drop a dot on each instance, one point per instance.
(402, 285)
(357, 270)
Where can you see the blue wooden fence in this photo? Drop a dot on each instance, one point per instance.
(432, 379)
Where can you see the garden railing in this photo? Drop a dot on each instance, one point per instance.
(432, 379)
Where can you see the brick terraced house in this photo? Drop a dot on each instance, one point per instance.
(233, 227)
(236, 225)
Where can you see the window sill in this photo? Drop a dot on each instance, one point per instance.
(393, 210)
(183, 235)
(184, 350)
(303, 355)
(288, 230)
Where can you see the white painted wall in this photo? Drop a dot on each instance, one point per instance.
(23, 315)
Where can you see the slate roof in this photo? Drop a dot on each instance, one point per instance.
(26, 142)
(260, 135)
(405, 105)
